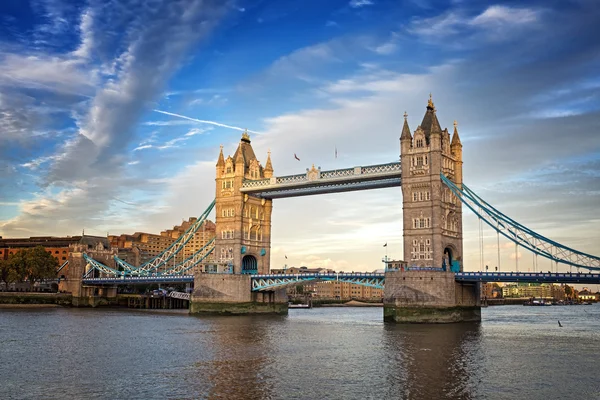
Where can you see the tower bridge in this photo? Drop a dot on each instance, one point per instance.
(433, 288)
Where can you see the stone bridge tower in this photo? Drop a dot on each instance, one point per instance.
(432, 214)
(243, 222)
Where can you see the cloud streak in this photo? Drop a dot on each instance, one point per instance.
(202, 121)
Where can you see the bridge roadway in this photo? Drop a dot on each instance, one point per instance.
(373, 279)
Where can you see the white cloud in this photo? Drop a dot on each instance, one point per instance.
(143, 147)
(495, 19)
(360, 3)
(505, 15)
(198, 131)
(50, 73)
(203, 121)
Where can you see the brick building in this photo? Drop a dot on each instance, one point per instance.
(141, 246)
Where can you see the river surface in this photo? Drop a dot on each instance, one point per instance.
(323, 353)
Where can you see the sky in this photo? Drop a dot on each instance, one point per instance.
(112, 113)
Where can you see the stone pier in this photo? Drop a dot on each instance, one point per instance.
(429, 297)
(87, 296)
(231, 294)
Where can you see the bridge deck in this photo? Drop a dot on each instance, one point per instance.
(315, 181)
(375, 279)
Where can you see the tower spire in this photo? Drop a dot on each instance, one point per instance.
(221, 160)
(405, 129)
(268, 166)
(455, 137)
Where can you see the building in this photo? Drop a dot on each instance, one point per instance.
(587, 295)
(537, 290)
(491, 290)
(432, 213)
(59, 247)
(336, 290)
(141, 247)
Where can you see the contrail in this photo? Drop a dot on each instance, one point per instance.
(205, 122)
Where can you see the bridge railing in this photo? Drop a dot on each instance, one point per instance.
(369, 170)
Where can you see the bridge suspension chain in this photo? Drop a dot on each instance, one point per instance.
(520, 234)
(163, 258)
(179, 269)
(153, 266)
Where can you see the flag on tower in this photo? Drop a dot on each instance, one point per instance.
(385, 245)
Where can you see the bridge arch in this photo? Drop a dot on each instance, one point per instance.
(450, 257)
(249, 265)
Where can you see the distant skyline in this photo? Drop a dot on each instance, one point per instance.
(112, 113)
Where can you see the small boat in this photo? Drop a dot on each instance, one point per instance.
(299, 305)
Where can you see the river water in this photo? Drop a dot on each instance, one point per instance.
(323, 353)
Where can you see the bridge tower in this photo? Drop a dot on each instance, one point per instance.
(243, 222)
(432, 214)
(242, 243)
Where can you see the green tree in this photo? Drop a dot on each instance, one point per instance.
(568, 291)
(299, 289)
(7, 272)
(40, 264)
(18, 264)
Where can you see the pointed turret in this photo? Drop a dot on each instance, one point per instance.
(430, 123)
(268, 167)
(455, 138)
(456, 148)
(405, 129)
(221, 160)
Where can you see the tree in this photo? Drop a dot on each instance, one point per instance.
(40, 264)
(18, 264)
(32, 264)
(568, 291)
(7, 273)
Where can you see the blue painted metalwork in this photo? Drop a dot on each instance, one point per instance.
(539, 277)
(377, 280)
(319, 182)
(137, 280)
(163, 258)
(278, 281)
(520, 234)
(180, 268)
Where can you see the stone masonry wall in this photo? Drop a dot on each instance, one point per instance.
(420, 289)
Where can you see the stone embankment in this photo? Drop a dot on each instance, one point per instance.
(33, 299)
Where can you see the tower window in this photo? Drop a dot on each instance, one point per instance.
(419, 142)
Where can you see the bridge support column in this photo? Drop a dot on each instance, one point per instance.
(231, 294)
(429, 297)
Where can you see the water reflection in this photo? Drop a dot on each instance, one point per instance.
(432, 361)
(237, 368)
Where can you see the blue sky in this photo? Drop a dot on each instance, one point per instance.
(93, 95)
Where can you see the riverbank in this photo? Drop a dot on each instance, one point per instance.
(33, 299)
